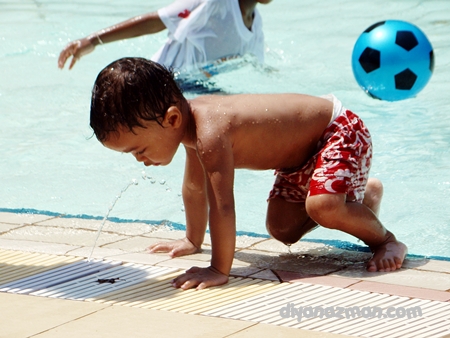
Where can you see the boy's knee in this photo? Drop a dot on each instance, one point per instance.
(373, 195)
(374, 188)
(324, 208)
(280, 232)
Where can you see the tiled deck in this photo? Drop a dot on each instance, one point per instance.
(265, 277)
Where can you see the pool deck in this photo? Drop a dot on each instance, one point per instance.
(136, 299)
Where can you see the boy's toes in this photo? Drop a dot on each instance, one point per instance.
(371, 266)
(398, 262)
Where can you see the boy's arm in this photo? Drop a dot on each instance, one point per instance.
(196, 209)
(195, 198)
(137, 26)
(218, 165)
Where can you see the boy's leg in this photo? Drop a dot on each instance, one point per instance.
(373, 195)
(332, 211)
(287, 221)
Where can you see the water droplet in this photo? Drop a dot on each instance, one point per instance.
(162, 182)
(289, 248)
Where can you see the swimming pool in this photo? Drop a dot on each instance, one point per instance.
(50, 163)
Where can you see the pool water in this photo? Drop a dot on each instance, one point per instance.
(51, 163)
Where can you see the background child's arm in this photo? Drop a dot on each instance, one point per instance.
(137, 26)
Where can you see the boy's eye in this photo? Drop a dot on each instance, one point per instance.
(140, 152)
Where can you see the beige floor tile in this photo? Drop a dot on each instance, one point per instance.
(129, 229)
(428, 265)
(98, 253)
(61, 235)
(74, 223)
(133, 244)
(183, 264)
(141, 258)
(242, 242)
(25, 316)
(205, 255)
(5, 227)
(167, 234)
(120, 322)
(407, 277)
(32, 246)
(272, 331)
(7, 217)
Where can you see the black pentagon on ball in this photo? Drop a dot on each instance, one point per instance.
(406, 40)
(370, 59)
(405, 80)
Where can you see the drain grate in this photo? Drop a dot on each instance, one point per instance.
(89, 286)
(159, 295)
(84, 279)
(15, 265)
(56, 276)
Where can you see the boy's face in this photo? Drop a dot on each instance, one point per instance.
(152, 145)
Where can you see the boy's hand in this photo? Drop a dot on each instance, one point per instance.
(176, 248)
(76, 49)
(200, 278)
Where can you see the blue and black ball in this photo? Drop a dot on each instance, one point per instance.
(392, 60)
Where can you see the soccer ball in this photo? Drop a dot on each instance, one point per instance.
(392, 60)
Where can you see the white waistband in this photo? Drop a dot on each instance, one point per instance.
(338, 108)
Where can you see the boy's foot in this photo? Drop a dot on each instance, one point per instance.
(388, 256)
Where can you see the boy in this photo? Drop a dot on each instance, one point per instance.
(200, 32)
(321, 151)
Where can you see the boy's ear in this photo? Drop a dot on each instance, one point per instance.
(173, 117)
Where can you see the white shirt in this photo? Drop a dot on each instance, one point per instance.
(203, 31)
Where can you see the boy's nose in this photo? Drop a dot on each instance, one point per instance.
(139, 157)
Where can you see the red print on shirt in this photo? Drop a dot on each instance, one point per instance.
(184, 14)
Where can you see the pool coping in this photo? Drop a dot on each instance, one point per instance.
(256, 257)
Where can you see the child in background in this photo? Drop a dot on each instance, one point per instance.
(200, 32)
(320, 150)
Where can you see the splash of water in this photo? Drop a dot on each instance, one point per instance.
(133, 182)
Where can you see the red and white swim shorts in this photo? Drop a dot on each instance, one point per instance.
(341, 164)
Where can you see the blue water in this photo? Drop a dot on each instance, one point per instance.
(49, 162)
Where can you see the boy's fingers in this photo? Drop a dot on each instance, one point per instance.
(160, 247)
(194, 269)
(202, 286)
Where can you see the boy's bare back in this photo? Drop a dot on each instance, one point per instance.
(264, 131)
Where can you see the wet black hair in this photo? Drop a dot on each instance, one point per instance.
(129, 92)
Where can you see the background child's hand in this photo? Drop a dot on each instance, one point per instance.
(176, 248)
(200, 278)
(76, 49)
